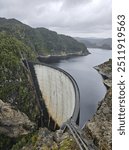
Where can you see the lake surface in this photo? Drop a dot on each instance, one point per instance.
(90, 82)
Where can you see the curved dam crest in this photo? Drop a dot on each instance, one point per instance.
(57, 94)
(57, 91)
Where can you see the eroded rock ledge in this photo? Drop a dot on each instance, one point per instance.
(13, 123)
(105, 70)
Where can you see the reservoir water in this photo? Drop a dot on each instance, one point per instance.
(92, 89)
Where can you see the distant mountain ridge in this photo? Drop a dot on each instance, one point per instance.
(42, 40)
(104, 43)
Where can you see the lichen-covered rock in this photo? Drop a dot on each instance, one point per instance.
(44, 139)
(105, 70)
(13, 123)
(99, 128)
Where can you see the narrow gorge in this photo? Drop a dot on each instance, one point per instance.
(21, 123)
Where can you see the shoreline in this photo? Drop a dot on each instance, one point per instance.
(57, 58)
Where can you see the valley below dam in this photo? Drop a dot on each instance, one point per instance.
(90, 82)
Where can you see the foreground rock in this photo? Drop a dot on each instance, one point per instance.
(13, 123)
(46, 140)
(99, 128)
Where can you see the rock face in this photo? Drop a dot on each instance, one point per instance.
(99, 128)
(105, 70)
(13, 123)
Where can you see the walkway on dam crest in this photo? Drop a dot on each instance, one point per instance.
(78, 135)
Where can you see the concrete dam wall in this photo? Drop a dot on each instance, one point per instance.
(59, 92)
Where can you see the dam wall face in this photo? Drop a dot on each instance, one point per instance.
(58, 93)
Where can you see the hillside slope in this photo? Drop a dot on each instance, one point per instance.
(42, 40)
(15, 89)
(15, 86)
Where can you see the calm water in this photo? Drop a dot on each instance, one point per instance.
(88, 79)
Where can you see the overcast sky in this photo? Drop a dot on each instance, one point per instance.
(78, 18)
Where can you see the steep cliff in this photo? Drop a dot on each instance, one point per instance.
(105, 70)
(13, 125)
(15, 86)
(99, 128)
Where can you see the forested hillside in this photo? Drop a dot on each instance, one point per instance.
(42, 40)
(14, 84)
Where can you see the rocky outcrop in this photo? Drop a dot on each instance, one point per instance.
(46, 140)
(105, 70)
(13, 123)
(99, 128)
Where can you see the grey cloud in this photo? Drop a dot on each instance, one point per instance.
(74, 3)
(72, 17)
